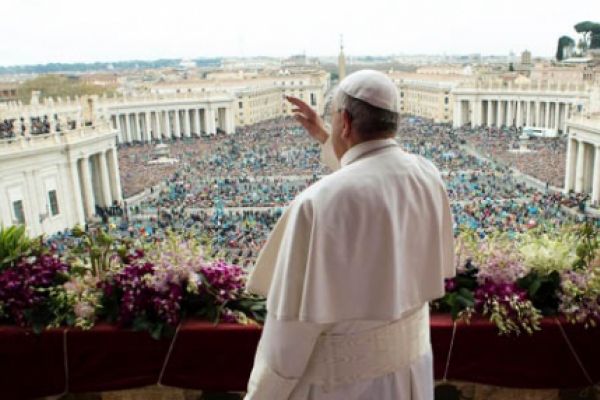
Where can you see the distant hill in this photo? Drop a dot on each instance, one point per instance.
(103, 66)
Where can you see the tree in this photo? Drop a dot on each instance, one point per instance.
(58, 86)
(595, 39)
(586, 28)
(563, 42)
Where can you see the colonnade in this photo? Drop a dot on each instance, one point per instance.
(583, 168)
(174, 122)
(96, 178)
(550, 114)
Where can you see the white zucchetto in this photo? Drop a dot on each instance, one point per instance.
(372, 87)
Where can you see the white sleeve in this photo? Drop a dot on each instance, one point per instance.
(447, 237)
(281, 359)
(328, 155)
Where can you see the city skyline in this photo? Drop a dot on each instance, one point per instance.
(64, 31)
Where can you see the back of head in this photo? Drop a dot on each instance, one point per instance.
(371, 98)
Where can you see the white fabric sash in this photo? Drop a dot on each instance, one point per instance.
(339, 359)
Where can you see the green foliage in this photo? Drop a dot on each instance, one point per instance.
(543, 290)
(588, 246)
(595, 38)
(254, 307)
(97, 248)
(58, 86)
(585, 26)
(563, 41)
(14, 243)
(460, 300)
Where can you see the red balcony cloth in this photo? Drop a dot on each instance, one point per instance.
(220, 358)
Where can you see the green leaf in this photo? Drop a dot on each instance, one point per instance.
(141, 324)
(156, 331)
(38, 327)
(535, 286)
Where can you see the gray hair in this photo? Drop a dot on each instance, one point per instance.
(369, 121)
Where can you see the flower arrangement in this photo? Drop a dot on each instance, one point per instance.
(29, 287)
(516, 281)
(152, 287)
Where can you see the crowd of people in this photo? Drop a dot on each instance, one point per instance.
(12, 128)
(229, 190)
(7, 129)
(542, 158)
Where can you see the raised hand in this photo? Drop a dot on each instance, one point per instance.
(309, 119)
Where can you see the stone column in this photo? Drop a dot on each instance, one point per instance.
(519, 121)
(571, 165)
(547, 113)
(498, 119)
(580, 167)
(489, 113)
(128, 135)
(141, 134)
(186, 116)
(565, 115)
(115, 178)
(509, 112)
(556, 108)
(158, 133)
(122, 137)
(170, 133)
(198, 126)
(90, 205)
(148, 126)
(230, 120)
(528, 115)
(135, 127)
(596, 178)
(210, 121)
(177, 124)
(76, 191)
(476, 113)
(457, 122)
(105, 179)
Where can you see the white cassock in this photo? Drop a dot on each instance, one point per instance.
(347, 272)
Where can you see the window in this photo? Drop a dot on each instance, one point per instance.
(446, 100)
(18, 209)
(241, 104)
(53, 203)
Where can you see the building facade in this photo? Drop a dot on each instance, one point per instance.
(427, 95)
(507, 104)
(135, 118)
(253, 89)
(54, 181)
(583, 156)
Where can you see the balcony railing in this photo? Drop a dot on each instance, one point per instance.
(19, 143)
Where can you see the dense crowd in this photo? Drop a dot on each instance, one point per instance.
(229, 190)
(543, 158)
(11, 128)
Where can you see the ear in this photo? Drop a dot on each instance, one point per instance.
(346, 124)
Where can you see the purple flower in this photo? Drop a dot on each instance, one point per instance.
(450, 285)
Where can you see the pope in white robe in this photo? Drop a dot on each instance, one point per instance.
(351, 265)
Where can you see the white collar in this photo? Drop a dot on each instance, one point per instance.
(365, 147)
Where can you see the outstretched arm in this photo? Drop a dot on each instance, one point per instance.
(315, 127)
(309, 119)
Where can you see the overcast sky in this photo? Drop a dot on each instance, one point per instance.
(43, 31)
